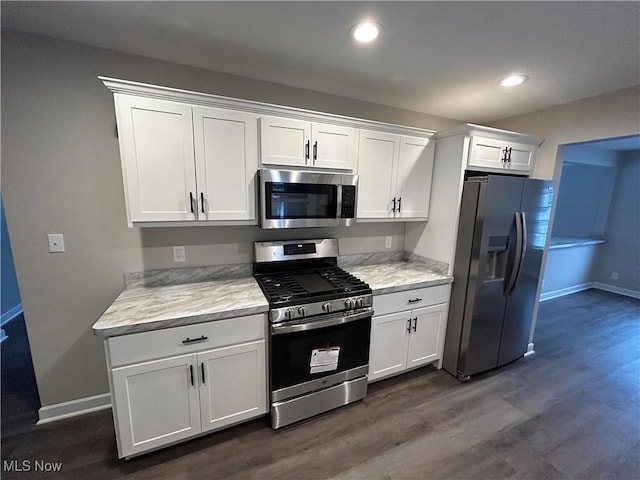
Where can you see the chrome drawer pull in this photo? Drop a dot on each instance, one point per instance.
(193, 340)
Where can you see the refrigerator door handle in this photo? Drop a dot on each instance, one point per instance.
(521, 249)
(516, 262)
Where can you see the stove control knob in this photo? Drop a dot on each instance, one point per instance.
(327, 307)
(288, 314)
(360, 302)
(302, 311)
(350, 303)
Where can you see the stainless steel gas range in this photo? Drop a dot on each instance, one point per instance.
(320, 322)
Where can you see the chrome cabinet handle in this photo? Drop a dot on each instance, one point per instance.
(202, 201)
(306, 151)
(315, 151)
(394, 204)
(202, 369)
(409, 326)
(188, 340)
(415, 324)
(415, 300)
(191, 201)
(191, 374)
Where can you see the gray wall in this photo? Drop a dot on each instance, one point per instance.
(621, 253)
(569, 269)
(584, 194)
(61, 174)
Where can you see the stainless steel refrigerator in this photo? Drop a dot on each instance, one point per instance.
(501, 236)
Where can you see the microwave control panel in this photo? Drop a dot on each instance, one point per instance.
(348, 201)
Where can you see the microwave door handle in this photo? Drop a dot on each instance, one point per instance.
(278, 329)
(339, 202)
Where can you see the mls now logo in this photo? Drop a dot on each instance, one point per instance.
(31, 466)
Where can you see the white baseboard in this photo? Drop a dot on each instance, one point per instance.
(60, 411)
(585, 286)
(530, 350)
(10, 314)
(619, 290)
(565, 291)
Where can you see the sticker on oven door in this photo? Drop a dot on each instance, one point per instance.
(324, 359)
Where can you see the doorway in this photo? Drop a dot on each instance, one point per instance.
(595, 237)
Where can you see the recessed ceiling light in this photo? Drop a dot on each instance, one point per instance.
(513, 80)
(365, 32)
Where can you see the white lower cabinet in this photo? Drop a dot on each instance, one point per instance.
(232, 384)
(407, 339)
(163, 401)
(156, 403)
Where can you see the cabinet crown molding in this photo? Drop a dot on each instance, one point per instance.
(128, 87)
(490, 132)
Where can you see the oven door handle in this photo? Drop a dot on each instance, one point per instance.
(280, 328)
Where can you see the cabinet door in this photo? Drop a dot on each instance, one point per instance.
(415, 170)
(425, 340)
(155, 403)
(490, 153)
(377, 169)
(388, 348)
(226, 151)
(156, 146)
(333, 146)
(521, 157)
(232, 384)
(284, 141)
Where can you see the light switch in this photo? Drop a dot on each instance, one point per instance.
(56, 242)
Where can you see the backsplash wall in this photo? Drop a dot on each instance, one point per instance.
(205, 246)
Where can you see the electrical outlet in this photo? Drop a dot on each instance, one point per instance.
(387, 242)
(614, 275)
(179, 254)
(56, 243)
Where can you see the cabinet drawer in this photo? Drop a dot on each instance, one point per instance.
(139, 347)
(421, 297)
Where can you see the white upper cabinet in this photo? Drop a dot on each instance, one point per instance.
(395, 176)
(415, 172)
(191, 158)
(294, 143)
(333, 146)
(156, 145)
(377, 170)
(504, 154)
(226, 152)
(184, 163)
(284, 142)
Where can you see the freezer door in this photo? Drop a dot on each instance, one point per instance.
(491, 262)
(536, 209)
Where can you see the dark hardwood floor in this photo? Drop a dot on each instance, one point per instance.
(571, 411)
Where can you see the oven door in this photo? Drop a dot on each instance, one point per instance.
(311, 355)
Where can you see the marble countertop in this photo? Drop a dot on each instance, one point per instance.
(398, 276)
(140, 309)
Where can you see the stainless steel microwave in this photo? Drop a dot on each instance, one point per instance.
(300, 199)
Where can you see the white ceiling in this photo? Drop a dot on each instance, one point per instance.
(441, 58)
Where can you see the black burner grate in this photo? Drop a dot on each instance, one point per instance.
(286, 287)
